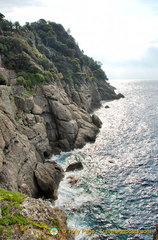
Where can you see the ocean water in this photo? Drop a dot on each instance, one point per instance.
(118, 187)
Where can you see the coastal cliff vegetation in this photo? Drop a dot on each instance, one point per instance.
(44, 52)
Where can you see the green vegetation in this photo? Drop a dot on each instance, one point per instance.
(43, 52)
(12, 219)
(14, 197)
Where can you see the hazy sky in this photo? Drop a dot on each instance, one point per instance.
(122, 34)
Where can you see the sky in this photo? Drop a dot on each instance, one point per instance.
(121, 34)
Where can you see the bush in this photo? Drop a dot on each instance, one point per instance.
(21, 81)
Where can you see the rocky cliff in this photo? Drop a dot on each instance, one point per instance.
(48, 91)
(35, 125)
(43, 120)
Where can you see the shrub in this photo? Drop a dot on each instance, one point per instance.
(21, 81)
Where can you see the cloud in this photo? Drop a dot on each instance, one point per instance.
(151, 4)
(9, 5)
(18, 3)
(144, 68)
(147, 60)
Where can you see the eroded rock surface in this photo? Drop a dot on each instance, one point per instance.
(47, 120)
(18, 155)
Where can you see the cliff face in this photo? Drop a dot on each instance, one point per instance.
(48, 90)
(20, 157)
(39, 122)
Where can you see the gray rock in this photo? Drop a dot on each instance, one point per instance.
(96, 121)
(25, 190)
(76, 97)
(48, 176)
(86, 133)
(64, 145)
(24, 104)
(107, 106)
(18, 156)
(3, 76)
(7, 99)
(1, 160)
(74, 166)
(120, 96)
(37, 110)
(60, 111)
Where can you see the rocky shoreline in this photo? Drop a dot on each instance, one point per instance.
(36, 123)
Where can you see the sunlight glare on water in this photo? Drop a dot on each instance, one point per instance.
(117, 189)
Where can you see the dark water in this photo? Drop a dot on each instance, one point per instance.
(118, 187)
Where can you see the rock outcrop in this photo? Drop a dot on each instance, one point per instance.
(48, 177)
(74, 166)
(41, 121)
(26, 218)
(35, 124)
(32, 128)
(20, 153)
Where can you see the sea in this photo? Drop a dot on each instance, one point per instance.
(116, 194)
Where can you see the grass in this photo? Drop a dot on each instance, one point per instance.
(12, 219)
(11, 196)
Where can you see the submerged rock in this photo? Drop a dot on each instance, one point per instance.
(72, 179)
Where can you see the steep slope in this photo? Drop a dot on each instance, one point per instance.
(48, 88)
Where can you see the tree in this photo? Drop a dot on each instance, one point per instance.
(17, 25)
(1, 17)
(1, 21)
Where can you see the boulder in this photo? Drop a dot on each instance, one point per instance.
(96, 121)
(86, 133)
(48, 176)
(107, 106)
(74, 166)
(120, 95)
